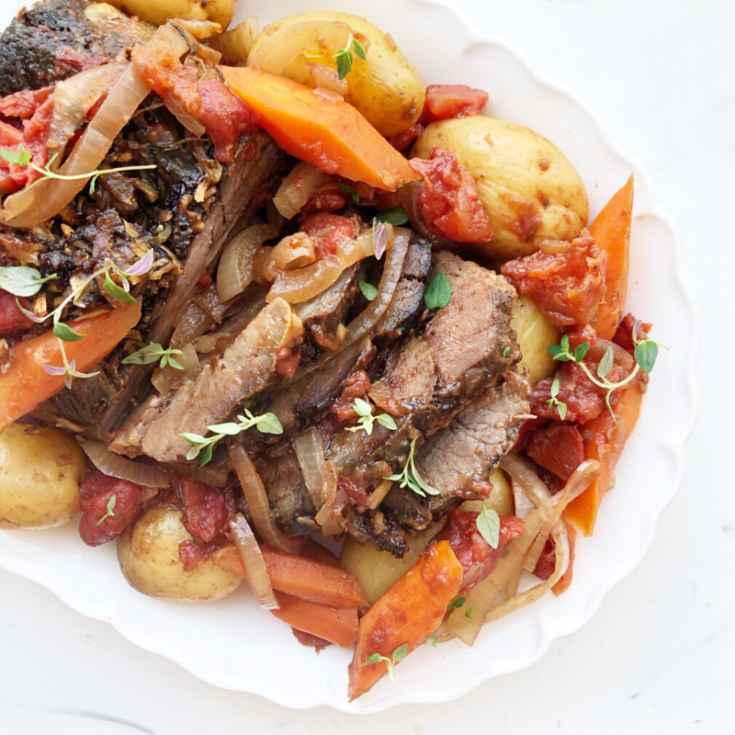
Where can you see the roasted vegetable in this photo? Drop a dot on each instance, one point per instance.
(159, 11)
(535, 334)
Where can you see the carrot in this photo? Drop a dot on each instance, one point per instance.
(605, 444)
(335, 624)
(25, 384)
(296, 575)
(314, 550)
(611, 230)
(325, 131)
(407, 614)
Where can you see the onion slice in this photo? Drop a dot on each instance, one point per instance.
(310, 452)
(257, 574)
(236, 266)
(303, 284)
(114, 465)
(365, 322)
(257, 499)
(298, 187)
(190, 123)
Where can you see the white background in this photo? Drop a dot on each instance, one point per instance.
(658, 656)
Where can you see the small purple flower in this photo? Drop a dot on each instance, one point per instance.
(142, 266)
(53, 370)
(380, 239)
(31, 315)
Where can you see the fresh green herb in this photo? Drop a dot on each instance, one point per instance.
(506, 351)
(24, 158)
(438, 292)
(21, 281)
(268, 423)
(365, 411)
(554, 401)
(645, 354)
(66, 333)
(434, 640)
(468, 614)
(111, 503)
(118, 292)
(410, 477)
(368, 290)
(488, 524)
(344, 57)
(398, 655)
(153, 352)
(456, 604)
(395, 217)
(349, 190)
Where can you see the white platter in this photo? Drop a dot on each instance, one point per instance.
(232, 643)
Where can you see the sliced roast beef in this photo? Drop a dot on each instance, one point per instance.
(55, 39)
(471, 446)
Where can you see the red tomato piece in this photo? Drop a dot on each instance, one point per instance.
(449, 202)
(401, 141)
(24, 103)
(287, 360)
(354, 489)
(97, 493)
(477, 557)
(558, 447)
(445, 101)
(328, 231)
(356, 386)
(624, 334)
(567, 287)
(12, 319)
(547, 561)
(207, 511)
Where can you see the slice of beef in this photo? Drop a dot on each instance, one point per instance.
(54, 40)
(324, 314)
(246, 369)
(471, 446)
(408, 303)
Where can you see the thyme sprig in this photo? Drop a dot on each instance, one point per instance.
(153, 352)
(410, 477)
(365, 423)
(398, 655)
(346, 57)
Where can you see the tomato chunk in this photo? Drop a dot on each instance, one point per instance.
(477, 557)
(624, 334)
(449, 202)
(445, 101)
(12, 319)
(207, 511)
(328, 231)
(558, 447)
(567, 287)
(116, 501)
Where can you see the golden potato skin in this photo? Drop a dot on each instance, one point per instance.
(40, 473)
(378, 570)
(534, 334)
(158, 12)
(500, 499)
(529, 189)
(385, 87)
(149, 558)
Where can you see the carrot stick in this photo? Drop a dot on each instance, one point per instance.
(605, 444)
(334, 624)
(407, 614)
(296, 575)
(25, 384)
(325, 131)
(611, 230)
(314, 550)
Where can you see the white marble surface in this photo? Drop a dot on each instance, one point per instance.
(657, 658)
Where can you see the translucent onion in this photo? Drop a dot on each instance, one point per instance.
(310, 452)
(256, 572)
(114, 465)
(235, 44)
(365, 322)
(306, 283)
(235, 271)
(75, 97)
(257, 499)
(191, 326)
(350, 252)
(293, 252)
(298, 187)
(199, 29)
(324, 77)
(526, 478)
(190, 123)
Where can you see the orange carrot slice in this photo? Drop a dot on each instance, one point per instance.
(335, 624)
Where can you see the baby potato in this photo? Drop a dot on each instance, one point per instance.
(384, 87)
(529, 189)
(535, 334)
(379, 570)
(149, 559)
(500, 498)
(40, 472)
(158, 12)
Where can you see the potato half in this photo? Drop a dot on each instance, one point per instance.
(500, 499)
(158, 12)
(535, 334)
(529, 189)
(384, 87)
(40, 473)
(149, 558)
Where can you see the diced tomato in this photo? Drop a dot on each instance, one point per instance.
(12, 319)
(31, 133)
(445, 101)
(579, 335)
(193, 554)
(356, 386)
(449, 202)
(354, 489)
(558, 447)
(567, 287)
(329, 198)
(97, 493)
(287, 360)
(527, 427)
(401, 141)
(207, 511)
(477, 557)
(24, 103)
(309, 640)
(624, 334)
(547, 561)
(328, 231)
